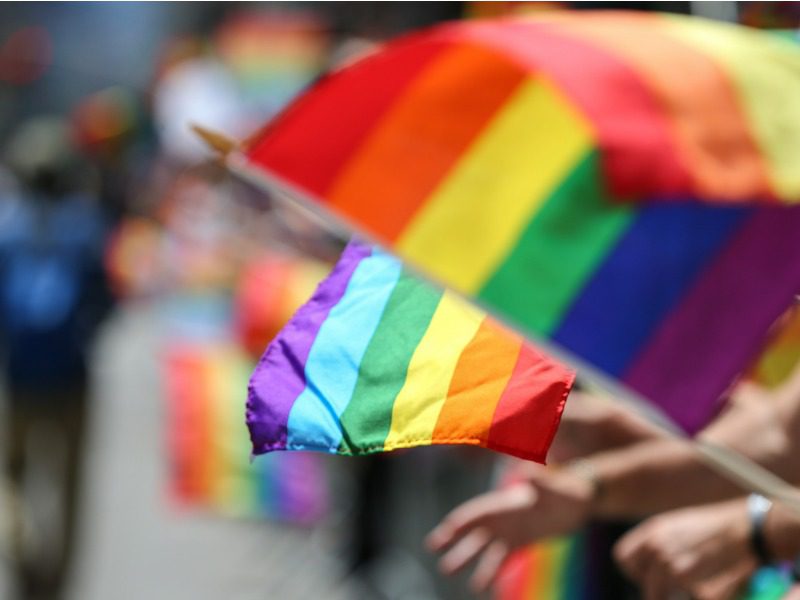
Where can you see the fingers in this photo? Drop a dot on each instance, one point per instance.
(631, 553)
(464, 551)
(643, 563)
(649, 569)
(655, 583)
(690, 569)
(489, 566)
(486, 510)
(531, 472)
(650, 556)
(725, 586)
(461, 521)
(486, 528)
(477, 543)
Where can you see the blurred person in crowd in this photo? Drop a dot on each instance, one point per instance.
(106, 127)
(628, 471)
(52, 298)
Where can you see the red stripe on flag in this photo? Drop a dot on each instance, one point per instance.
(520, 422)
(317, 134)
(424, 135)
(638, 152)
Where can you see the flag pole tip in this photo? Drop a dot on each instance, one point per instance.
(218, 142)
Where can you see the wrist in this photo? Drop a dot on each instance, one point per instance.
(782, 533)
(590, 488)
(758, 509)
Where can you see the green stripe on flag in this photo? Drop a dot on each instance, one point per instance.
(559, 251)
(368, 417)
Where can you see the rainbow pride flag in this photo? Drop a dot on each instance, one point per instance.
(273, 55)
(268, 292)
(782, 355)
(550, 570)
(205, 390)
(557, 570)
(621, 184)
(379, 360)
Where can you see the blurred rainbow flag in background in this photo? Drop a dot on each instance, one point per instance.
(557, 570)
(782, 354)
(269, 290)
(212, 338)
(618, 183)
(274, 54)
(551, 570)
(205, 395)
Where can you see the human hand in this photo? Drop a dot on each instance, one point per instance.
(544, 503)
(591, 424)
(704, 551)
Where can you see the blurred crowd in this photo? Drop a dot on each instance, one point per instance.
(109, 202)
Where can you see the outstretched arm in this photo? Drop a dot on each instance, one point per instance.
(664, 473)
(639, 479)
(705, 550)
(491, 526)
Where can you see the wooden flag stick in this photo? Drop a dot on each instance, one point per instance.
(747, 474)
(217, 142)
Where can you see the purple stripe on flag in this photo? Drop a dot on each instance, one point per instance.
(269, 400)
(696, 353)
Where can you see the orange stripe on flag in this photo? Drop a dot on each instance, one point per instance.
(420, 139)
(711, 132)
(208, 467)
(481, 375)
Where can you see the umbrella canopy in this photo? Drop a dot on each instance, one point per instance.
(623, 185)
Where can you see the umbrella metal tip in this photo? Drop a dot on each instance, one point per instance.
(218, 142)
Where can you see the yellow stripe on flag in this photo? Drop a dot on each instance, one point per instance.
(241, 493)
(547, 583)
(766, 74)
(418, 404)
(474, 218)
(219, 483)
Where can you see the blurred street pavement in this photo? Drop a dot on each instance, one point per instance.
(134, 542)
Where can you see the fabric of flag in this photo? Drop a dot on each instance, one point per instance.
(378, 360)
(269, 290)
(273, 55)
(557, 570)
(209, 447)
(622, 184)
(551, 570)
(782, 355)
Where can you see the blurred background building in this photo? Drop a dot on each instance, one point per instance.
(159, 280)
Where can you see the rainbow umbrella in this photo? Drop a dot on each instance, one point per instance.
(621, 185)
